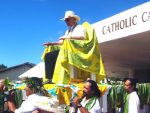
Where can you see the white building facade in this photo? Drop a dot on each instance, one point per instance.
(125, 43)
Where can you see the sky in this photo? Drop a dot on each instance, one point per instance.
(26, 24)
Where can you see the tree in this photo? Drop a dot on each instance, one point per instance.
(2, 67)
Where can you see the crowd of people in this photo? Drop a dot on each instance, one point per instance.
(90, 101)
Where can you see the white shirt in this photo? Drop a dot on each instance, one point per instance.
(134, 103)
(95, 109)
(77, 31)
(28, 105)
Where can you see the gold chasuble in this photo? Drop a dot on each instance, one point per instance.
(82, 54)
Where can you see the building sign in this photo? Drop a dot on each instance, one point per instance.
(127, 23)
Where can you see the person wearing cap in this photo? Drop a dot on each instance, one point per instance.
(34, 90)
(74, 31)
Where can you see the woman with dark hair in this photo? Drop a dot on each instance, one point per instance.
(90, 102)
(132, 102)
(34, 90)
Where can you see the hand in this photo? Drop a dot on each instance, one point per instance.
(35, 111)
(76, 101)
(62, 38)
(47, 43)
(56, 43)
(72, 38)
(11, 95)
(51, 43)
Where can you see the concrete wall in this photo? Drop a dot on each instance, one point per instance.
(13, 74)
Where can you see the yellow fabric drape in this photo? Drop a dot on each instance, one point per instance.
(83, 54)
(64, 94)
(49, 86)
(48, 49)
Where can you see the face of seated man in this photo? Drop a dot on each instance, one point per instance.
(70, 21)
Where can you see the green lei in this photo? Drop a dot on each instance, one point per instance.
(34, 85)
(126, 104)
(2, 96)
(90, 103)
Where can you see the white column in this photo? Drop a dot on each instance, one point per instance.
(73, 71)
(93, 76)
(104, 101)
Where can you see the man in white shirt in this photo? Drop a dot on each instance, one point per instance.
(74, 31)
(90, 102)
(132, 104)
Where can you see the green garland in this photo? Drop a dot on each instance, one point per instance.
(18, 98)
(126, 104)
(2, 97)
(117, 95)
(144, 93)
(90, 103)
(35, 84)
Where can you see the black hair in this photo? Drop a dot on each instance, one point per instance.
(36, 85)
(133, 82)
(94, 88)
